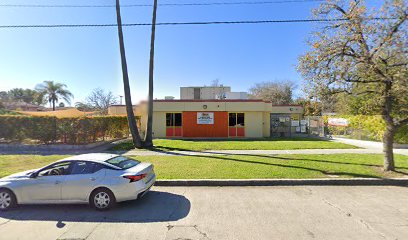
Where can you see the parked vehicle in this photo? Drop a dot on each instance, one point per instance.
(99, 179)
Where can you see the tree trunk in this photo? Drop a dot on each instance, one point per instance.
(388, 141)
(128, 99)
(149, 126)
(53, 105)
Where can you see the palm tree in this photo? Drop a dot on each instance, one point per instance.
(149, 126)
(137, 141)
(53, 92)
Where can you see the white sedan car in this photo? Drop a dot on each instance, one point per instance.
(99, 179)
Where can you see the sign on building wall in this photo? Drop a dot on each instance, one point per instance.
(342, 122)
(205, 118)
(295, 123)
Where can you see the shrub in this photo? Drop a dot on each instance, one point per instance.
(71, 130)
(368, 127)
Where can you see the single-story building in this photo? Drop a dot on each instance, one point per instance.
(218, 118)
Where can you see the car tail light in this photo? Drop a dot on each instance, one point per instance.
(135, 178)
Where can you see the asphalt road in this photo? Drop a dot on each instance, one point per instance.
(167, 213)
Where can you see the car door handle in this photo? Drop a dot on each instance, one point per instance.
(57, 182)
(92, 179)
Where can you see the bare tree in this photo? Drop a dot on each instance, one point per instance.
(99, 100)
(276, 92)
(137, 141)
(149, 127)
(364, 54)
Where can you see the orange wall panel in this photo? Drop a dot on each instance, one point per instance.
(192, 129)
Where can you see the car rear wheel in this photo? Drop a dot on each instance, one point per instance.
(7, 200)
(102, 199)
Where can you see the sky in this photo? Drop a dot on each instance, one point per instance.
(87, 58)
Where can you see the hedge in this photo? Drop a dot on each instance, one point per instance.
(73, 130)
(368, 127)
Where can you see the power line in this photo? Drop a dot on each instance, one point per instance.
(162, 4)
(180, 23)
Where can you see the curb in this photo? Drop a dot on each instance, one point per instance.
(282, 182)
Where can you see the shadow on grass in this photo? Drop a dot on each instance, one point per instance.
(129, 145)
(217, 156)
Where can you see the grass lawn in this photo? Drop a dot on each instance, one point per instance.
(242, 166)
(240, 144)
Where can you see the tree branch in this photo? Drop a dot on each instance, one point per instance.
(390, 34)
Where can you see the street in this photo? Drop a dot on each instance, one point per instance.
(168, 213)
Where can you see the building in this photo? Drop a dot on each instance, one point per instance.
(212, 118)
(205, 93)
(22, 106)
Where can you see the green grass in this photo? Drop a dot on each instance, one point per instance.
(242, 166)
(8, 112)
(16, 163)
(236, 144)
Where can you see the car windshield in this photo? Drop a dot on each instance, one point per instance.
(123, 162)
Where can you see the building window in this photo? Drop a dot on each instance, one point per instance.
(240, 119)
(236, 124)
(173, 120)
(232, 119)
(236, 119)
(174, 123)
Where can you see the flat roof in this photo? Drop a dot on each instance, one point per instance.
(212, 100)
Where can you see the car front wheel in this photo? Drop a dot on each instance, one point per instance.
(102, 199)
(7, 200)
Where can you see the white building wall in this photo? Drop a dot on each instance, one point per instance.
(236, 95)
(187, 93)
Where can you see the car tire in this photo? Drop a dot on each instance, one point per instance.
(7, 200)
(102, 199)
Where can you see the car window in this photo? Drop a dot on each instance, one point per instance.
(123, 162)
(82, 167)
(56, 169)
(99, 166)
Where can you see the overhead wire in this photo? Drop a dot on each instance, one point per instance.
(180, 23)
(161, 4)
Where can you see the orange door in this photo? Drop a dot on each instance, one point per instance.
(192, 129)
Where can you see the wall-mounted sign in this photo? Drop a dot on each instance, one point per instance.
(341, 122)
(205, 118)
(303, 122)
(295, 123)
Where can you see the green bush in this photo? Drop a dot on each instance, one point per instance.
(47, 130)
(367, 127)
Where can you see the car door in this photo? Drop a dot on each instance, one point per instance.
(46, 186)
(83, 178)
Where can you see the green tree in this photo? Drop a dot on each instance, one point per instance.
(363, 54)
(25, 95)
(53, 92)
